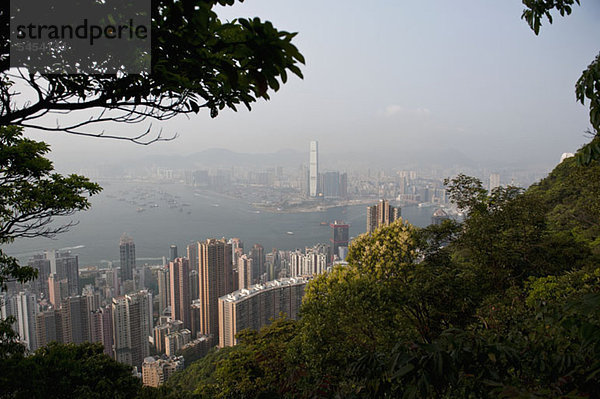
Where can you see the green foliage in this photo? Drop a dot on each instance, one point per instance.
(222, 64)
(467, 193)
(591, 151)
(570, 193)
(192, 353)
(523, 351)
(536, 10)
(257, 367)
(9, 340)
(31, 195)
(562, 288)
(344, 316)
(504, 232)
(387, 254)
(588, 85)
(198, 61)
(163, 392)
(67, 371)
(399, 288)
(200, 373)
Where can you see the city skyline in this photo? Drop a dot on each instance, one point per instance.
(336, 188)
(120, 314)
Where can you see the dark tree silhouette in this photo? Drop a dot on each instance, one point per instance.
(197, 61)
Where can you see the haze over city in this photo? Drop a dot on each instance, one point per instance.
(391, 80)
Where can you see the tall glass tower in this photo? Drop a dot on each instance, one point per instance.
(127, 256)
(313, 183)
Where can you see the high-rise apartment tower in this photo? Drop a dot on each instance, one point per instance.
(127, 256)
(381, 214)
(339, 238)
(215, 273)
(179, 278)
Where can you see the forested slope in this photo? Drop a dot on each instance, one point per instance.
(506, 304)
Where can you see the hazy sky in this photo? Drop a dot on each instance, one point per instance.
(391, 75)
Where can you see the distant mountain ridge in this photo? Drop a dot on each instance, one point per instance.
(220, 157)
(374, 158)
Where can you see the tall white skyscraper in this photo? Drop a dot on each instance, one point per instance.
(132, 325)
(244, 272)
(313, 184)
(26, 311)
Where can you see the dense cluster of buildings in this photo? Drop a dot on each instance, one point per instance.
(185, 306)
(188, 304)
(117, 309)
(320, 182)
(157, 369)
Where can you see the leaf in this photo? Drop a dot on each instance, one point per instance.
(404, 370)
(194, 106)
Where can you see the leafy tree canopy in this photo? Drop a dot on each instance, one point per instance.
(31, 195)
(197, 61)
(587, 87)
(258, 367)
(67, 371)
(399, 288)
(570, 193)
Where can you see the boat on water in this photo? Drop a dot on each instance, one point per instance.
(290, 233)
(324, 224)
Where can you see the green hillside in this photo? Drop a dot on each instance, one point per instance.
(572, 194)
(509, 307)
